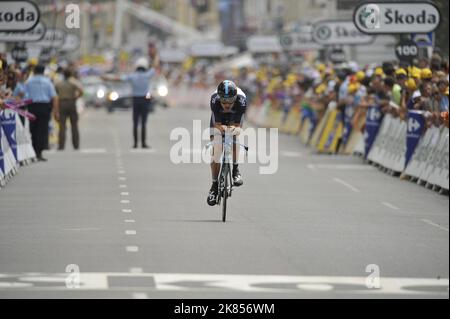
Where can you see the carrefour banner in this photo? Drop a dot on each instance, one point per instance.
(348, 118)
(416, 127)
(8, 123)
(2, 156)
(308, 113)
(374, 117)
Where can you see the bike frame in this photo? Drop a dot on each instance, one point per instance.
(225, 162)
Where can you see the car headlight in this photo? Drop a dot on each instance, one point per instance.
(162, 90)
(100, 94)
(113, 96)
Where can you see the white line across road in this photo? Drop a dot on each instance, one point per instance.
(429, 222)
(130, 221)
(389, 205)
(338, 285)
(136, 270)
(344, 167)
(132, 249)
(291, 154)
(349, 186)
(93, 151)
(130, 232)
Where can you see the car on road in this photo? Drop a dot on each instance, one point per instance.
(94, 91)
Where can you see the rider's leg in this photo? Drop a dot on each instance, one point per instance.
(215, 170)
(215, 158)
(237, 178)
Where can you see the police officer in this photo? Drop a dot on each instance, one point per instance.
(142, 103)
(42, 92)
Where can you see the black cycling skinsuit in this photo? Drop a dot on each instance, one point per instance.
(236, 115)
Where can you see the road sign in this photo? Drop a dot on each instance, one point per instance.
(423, 39)
(299, 41)
(339, 32)
(396, 17)
(35, 34)
(406, 50)
(18, 15)
(19, 53)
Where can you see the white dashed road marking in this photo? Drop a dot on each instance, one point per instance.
(130, 232)
(352, 188)
(132, 249)
(390, 205)
(429, 222)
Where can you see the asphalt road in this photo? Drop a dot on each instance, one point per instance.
(136, 225)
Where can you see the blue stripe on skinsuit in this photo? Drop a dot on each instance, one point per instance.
(226, 88)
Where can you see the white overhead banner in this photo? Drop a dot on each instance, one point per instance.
(396, 17)
(339, 32)
(18, 15)
(35, 34)
(53, 38)
(263, 44)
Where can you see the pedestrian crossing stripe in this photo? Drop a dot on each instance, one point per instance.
(225, 283)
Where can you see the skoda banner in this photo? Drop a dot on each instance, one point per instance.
(18, 15)
(373, 123)
(416, 126)
(396, 17)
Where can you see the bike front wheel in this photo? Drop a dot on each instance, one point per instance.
(225, 195)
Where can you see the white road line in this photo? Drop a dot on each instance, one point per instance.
(273, 284)
(291, 154)
(125, 193)
(136, 270)
(127, 211)
(123, 186)
(122, 178)
(82, 229)
(93, 151)
(125, 201)
(140, 295)
(130, 221)
(341, 167)
(121, 172)
(429, 222)
(390, 205)
(138, 151)
(312, 167)
(130, 232)
(132, 249)
(340, 181)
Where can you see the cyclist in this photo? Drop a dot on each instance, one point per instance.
(228, 106)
